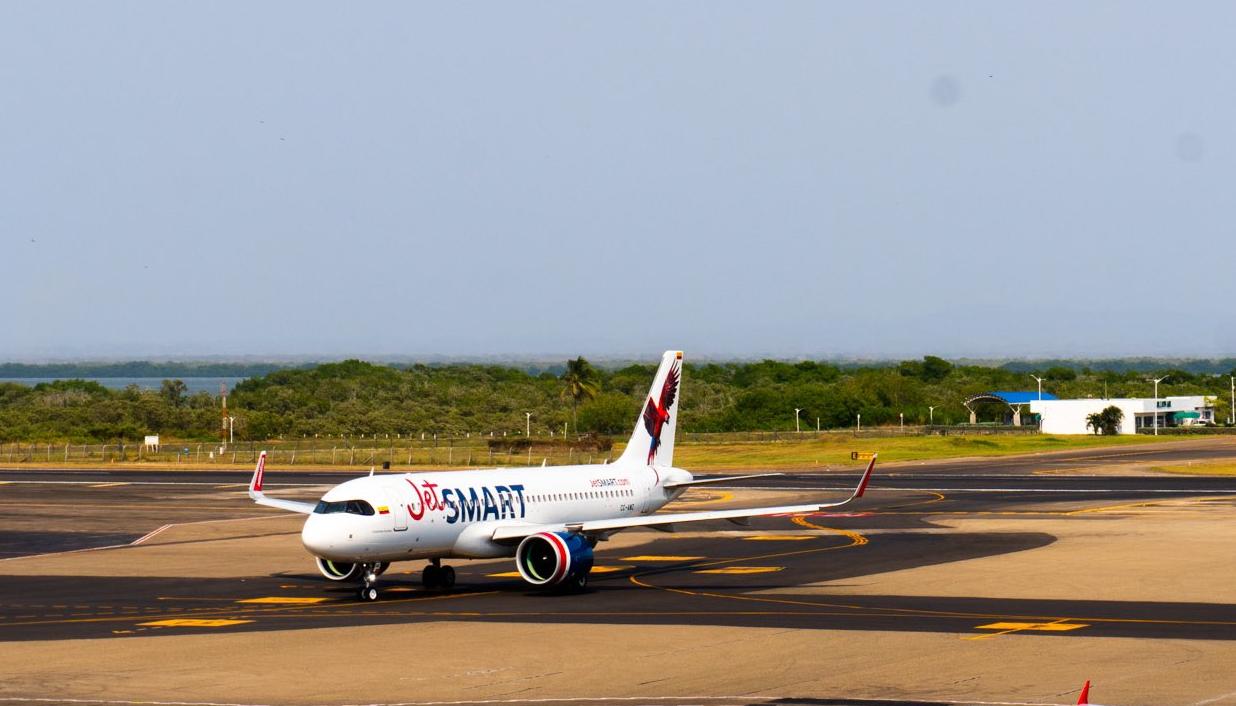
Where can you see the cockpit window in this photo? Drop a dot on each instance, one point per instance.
(352, 507)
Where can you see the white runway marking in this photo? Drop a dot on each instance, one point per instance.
(139, 540)
(148, 535)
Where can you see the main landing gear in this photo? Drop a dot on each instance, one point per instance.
(369, 577)
(437, 576)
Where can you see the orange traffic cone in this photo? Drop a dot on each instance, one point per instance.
(1085, 695)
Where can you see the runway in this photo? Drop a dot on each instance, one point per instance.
(716, 576)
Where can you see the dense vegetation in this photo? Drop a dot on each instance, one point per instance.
(354, 398)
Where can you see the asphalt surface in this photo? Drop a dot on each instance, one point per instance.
(717, 579)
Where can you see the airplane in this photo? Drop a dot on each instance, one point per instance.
(548, 518)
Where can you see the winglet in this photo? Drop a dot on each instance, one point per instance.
(862, 483)
(1085, 694)
(255, 485)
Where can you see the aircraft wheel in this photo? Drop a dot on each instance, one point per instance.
(431, 576)
(446, 577)
(369, 593)
(579, 583)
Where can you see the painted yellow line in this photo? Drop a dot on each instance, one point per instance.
(657, 557)
(742, 570)
(505, 575)
(285, 600)
(107, 485)
(778, 538)
(608, 569)
(1043, 627)
(192, 623)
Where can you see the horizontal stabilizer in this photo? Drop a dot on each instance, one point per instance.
(708, 481)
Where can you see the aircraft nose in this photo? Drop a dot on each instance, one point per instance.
(316, 536)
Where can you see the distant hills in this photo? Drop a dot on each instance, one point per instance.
(535, 366)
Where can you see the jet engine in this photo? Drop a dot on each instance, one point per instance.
(554, 558)
(338, 570)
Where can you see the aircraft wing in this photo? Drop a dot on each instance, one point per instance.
(255, 492)
(608, 526)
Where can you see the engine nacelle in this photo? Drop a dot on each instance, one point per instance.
(338, 570)
(552, 558)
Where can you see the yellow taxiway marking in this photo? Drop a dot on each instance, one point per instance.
(194, 623)
(656, 557)
(1007, 628)
(106, 485)
(778, 538)
(285, 600)
(608, 569)
(1044, 627)
(742, 570)
(505, 575)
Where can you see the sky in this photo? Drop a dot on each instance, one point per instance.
(784, 179)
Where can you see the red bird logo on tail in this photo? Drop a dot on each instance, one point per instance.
(656, 413)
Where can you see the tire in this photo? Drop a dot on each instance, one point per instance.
(579, 583)
(369, 594)
(446, 577)
(431, 577)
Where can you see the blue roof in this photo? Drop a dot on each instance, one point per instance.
(1023, 397)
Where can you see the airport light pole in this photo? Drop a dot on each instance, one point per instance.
(860, 423)
(1040, 381)
(931, 415)
(527, 424)
(1156, 403)
(797, 428)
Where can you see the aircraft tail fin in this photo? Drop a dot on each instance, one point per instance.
(652, 442)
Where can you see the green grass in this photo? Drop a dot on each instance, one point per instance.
(835, 451)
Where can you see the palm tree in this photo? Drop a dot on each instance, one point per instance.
(1106, 422)
(1095, 421)
(1112, 417)
(579, 383)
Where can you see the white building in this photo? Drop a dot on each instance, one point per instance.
(1069, 416)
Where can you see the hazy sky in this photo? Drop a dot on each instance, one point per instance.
(760, 178)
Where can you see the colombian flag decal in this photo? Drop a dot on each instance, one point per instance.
(384, 510)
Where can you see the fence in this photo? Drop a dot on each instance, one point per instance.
(880, 432)
(412, 453)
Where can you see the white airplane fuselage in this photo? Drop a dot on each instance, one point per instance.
(454, 514)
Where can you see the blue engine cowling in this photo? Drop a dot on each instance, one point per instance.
(552, 558)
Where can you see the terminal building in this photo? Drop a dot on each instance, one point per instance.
(1069, 416)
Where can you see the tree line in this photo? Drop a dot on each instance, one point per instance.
(353, 397)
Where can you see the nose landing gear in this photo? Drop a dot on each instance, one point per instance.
(369, 577)
(437, 576)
